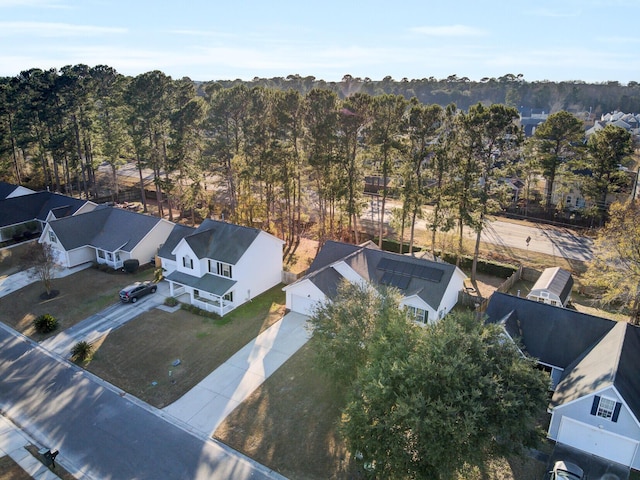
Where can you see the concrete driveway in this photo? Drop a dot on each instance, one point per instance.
(103, 322)
(595, 468)
(206, 405)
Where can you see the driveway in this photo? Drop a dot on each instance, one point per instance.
(595, 468)
(205, 406)
(103, 322)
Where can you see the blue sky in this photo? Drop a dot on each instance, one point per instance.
(589, 40)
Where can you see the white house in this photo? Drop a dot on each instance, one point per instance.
(553, 287)
(429, 289)
(106, 235)
(595, 374)
(219, 266)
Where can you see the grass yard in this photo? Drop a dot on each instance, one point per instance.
(80, 295)
(142, 351)
(268, 428)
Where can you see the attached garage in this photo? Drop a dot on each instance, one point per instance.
(597, 441)
(304, 305)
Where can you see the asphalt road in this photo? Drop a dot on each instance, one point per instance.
(547, 239)
(101, 432)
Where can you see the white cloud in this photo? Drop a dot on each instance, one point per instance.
(449, 31)
(49, 29)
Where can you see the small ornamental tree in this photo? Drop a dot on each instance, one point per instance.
(40, 258)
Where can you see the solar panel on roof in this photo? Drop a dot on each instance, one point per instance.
(395, 280)
(411, 270)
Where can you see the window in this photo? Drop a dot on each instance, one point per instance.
(224, 269)
(228, 297)
(52, 237)
(110, 256)
(187, 262)
(417, 314)
(101, 254)
(606, 408)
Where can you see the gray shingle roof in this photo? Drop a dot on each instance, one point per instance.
(107, 228)
(374, 266)
(177, 234)
(594, 352)
(6, 189)
(207, 283)
(613, 361)
(225, 242)
(555, 336)
(36, 206)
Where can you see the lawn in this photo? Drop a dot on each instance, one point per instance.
(138, 357)
(81, 295)
(267, 427)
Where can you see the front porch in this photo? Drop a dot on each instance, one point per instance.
(215, 304)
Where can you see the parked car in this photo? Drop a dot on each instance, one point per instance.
(133, 292)
(566, 471)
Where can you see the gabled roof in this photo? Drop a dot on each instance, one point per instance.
(613, 361)
(225, 242)
(36, 206)
(555, 280)
(555, 336)
(177, 234)
(411, 276)
(107, 228)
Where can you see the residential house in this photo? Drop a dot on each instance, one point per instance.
(220, 266)
(106, 235)
(30, 212)
(594, 365)
(553, 287)
(429, 289)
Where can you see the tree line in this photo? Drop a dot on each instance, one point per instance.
(285, 160)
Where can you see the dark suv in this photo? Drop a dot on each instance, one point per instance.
(133, 292)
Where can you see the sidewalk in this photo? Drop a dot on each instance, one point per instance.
(12, 443)
(206, 405)
(11, 283)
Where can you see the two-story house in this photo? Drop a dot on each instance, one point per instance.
(219, 266)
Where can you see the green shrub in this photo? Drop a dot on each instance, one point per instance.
(81, 351)
(170, 301)
(45, 323)
(199, 311)
(501, 270)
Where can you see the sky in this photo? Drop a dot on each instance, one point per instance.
(555, 40)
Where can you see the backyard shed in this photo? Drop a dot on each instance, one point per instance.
(553, 287)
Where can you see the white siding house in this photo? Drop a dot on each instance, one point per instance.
(429, 289)
(219, 266)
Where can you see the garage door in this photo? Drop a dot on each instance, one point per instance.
(597, 441)
(304, 305)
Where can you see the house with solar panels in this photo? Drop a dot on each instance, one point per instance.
(429, 289)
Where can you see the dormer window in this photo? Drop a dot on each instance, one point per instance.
(187, 262)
